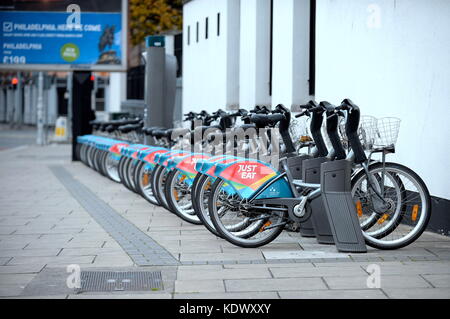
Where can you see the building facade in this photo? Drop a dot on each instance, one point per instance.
(391, 57)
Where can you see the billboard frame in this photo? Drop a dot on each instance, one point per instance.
(82, 67)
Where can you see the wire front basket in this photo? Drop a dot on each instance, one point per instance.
(373, 132)
(299, 130)
(387, 131)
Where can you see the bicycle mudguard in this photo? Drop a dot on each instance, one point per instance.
(135, 155)
(249, 176)
(142, 154)
(129, 150)
(149, 155)
(163, 158)
(186, 165)
(116, 148)
(208, 167)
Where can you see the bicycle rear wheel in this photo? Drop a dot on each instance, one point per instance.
(142, 178)
(200, 197)
(178, 196)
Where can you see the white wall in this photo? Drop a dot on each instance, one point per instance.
(254, 59)
(116, 91)
(211, 66)
(290, 68)
(392, 59)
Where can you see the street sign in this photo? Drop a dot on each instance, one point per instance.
(42, 35)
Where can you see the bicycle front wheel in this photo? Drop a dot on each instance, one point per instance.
(393, 205)
(243, 228)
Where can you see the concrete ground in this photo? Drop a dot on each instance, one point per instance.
(14, 137)
(55, 213)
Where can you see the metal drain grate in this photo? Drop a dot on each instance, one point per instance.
(121, 281)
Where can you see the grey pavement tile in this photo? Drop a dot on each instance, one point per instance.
(8, 230)
(4, 260)
(418, 293)
(63, 260)
(303, 254)
(317, 272)
(15, 279)
(438, 281)
(249, 255)
(387, 281)
(269, 265)
(333, 294)
(228, 295)
(275, 284)
(39, 297)
(10, 291)
(423, 268)
(91, 251)
(199, 268)
(22, 269)
(194, 286)
(205, 274)
(350, 263)
(122, 296)
(85, 244)
(29, 252)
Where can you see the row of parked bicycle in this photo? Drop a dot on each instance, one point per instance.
(205, 175)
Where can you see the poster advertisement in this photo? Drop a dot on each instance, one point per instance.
(70, 35)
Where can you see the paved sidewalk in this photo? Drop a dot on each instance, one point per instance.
(56, 213)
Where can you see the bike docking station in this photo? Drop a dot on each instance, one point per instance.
(333, 218)
(319, 221)
(160, 85)
(335, 179)
(295, 165)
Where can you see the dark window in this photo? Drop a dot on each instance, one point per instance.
(312, 48)
(179, 53)
(206, 28)
(271, 48)
(189, 35)
(197, 31)
(136, 83)
(218, 24)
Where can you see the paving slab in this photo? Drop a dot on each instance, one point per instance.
(286, 272)
(438, 281)
(199, 286)
(387, 281)
(417, 293)
(303, 254)
(334, 294)
(195, 274)
(275, 284)
(228, 295)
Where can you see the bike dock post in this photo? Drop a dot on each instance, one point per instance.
(295, 166)
(319, 219)
(340, 208)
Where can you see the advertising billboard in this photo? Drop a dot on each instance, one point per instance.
(63, 35)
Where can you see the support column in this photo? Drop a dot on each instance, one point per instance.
(82, 113)
(117, 91)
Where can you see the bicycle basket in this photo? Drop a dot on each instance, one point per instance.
(387, 131)
(367, 131)
(299, 131)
